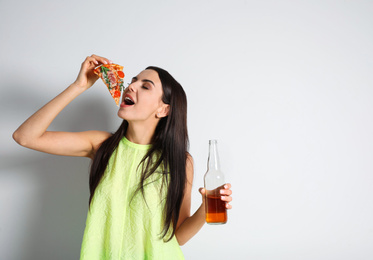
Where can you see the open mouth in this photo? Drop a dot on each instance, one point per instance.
(128, 101)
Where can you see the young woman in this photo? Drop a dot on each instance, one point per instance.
(141, 176)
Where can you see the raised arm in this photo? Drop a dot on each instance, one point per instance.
(33, 132)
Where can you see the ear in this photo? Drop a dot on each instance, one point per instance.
(163, 111)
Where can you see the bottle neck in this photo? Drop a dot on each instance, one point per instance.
(213, 161)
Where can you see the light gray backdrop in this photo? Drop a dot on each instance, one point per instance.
(285, 86)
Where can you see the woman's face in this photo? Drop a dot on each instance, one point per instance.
(142, 99)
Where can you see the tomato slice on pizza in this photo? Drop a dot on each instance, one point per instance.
(112, 75)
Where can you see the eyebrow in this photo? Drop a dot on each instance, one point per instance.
(144, 80)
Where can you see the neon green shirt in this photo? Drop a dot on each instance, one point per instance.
(121, 225)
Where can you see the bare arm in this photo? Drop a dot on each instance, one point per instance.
(188, 225)
(33, 132)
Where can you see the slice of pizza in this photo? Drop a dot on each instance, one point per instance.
(112, 75)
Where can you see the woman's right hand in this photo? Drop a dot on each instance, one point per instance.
(87, 77)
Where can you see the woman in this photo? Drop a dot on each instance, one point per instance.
(141, 176)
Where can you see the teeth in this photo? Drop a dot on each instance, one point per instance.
(128, 100)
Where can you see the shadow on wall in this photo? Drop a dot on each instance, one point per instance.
(44, 198)
(46, 206)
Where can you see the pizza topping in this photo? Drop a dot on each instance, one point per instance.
(116, 94)
(120, 74)
(111, 78)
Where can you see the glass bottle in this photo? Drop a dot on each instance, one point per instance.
(216, 212)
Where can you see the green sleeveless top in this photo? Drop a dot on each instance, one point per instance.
(122, 224)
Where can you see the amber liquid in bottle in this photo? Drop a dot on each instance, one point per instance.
(216, 212)
(215, 208)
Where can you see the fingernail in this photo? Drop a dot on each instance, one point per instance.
(222, 197)
(221, 192)
(226, 186)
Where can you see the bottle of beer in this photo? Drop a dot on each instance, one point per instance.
(216, 213)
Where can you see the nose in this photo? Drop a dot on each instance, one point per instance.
(131, 87)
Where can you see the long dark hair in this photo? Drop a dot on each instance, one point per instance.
(169, 149)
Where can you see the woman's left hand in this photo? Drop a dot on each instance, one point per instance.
(226, 195)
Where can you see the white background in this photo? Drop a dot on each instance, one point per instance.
(285, 87)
